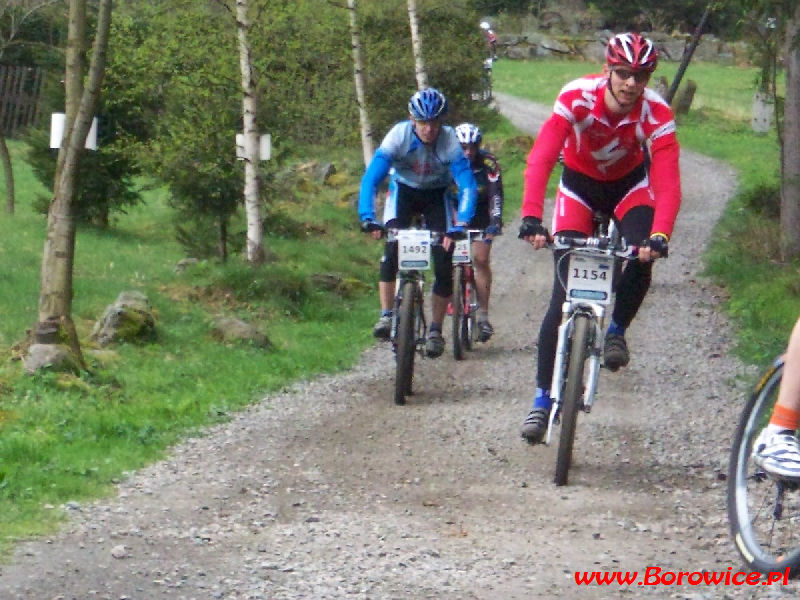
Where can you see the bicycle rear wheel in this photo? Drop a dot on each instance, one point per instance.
(459, 315)
(572, 395)
(405, 343)
(764, 514)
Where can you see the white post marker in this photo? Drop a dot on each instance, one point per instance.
(57, 123)
(264, 149)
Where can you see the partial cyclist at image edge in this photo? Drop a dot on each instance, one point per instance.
(424, 156)
(776, 450)
(488, 217)
(601, 124)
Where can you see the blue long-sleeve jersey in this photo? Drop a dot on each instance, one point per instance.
(420, 166)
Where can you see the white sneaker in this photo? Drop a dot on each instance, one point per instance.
(778, 453)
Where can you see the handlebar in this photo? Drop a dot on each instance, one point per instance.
(390, 232)
(602, 244)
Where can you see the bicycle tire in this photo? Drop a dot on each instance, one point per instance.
(767, 543)
(459, 314)
(468, 329)
(572, 396)
(405, 343)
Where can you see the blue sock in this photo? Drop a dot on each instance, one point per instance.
(435, 327)
(542, 399)
(387, 313)
(615, 329)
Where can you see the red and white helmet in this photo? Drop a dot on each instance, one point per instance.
(632, 51)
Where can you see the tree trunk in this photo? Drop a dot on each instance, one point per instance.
(367, 143)
(223, 239)
(5, 157)
(790, 154)
(55, 297)
(252, 202)
(416, 46)
(687, 55)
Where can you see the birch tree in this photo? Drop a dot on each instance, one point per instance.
(252, 200)
(790, 147)
(367, 142)
(416, 46)
(55, 297)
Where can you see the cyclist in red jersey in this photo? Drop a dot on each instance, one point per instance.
(604, 124)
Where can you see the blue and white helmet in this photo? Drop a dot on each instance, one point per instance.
(427, 105)
(468, 133)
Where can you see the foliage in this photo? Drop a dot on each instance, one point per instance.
(32, 34)
(180, 62)
(453, 49)
(105, 178)
(494, 7)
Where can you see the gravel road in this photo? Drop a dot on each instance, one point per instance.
(328, 490)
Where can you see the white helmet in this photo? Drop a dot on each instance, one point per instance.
(468, 133)
(484, 25)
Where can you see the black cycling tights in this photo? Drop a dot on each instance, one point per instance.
(632, 287)
(442, 268)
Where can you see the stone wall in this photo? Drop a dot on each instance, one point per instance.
(591, 47)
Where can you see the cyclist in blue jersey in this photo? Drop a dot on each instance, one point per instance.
(423, 156)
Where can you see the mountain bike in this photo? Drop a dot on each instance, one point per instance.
(409, 327)
(464, 306)
(594, 264)
(764, 511)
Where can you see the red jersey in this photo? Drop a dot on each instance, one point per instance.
(598, 147)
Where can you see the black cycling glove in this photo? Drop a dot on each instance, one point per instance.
(532, 226)
(658, 242)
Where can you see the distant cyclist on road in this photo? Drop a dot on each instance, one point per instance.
(601, 123)
(488, 216)
(424, 156)
(491, 39)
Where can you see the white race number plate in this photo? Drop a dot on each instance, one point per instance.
(461, 252)
(414, 249)
(590, 278)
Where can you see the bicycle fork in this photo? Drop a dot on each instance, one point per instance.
(421, 325)
(596, 313)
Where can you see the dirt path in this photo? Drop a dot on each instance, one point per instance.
(330, 491)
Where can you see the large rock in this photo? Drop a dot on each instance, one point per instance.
(129, 318)
(230, 329)
(57, 357)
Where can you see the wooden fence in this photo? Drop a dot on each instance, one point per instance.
(19, 97)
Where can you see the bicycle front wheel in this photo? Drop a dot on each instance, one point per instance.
(405, 343)
(572, 395)
(470, 311)
(764, 513)
(459, 314)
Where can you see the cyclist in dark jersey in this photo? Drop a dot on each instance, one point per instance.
(488, 216)
(601, 123)
(423, 156)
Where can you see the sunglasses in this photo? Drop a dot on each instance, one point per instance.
(638, 76)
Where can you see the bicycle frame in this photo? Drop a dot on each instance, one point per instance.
(609, 247)
(417, 279)
(464, 304)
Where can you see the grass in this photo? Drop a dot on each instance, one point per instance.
(743, 257)
(68, 438)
